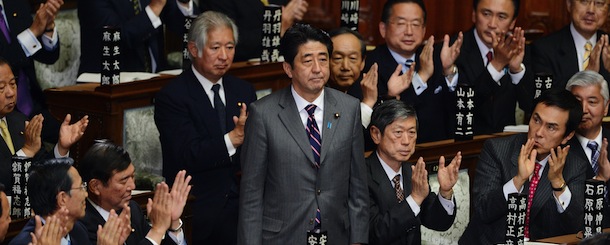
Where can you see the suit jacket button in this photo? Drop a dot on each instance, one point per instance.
(319, 191)
(311, 221)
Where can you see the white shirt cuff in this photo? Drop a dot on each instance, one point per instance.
(154, 19)
(230, 148)
(152, 241)
(449, 205)
(510, 187)
(365, 114)
(57, 154)
(179, 238)
(516, 78)
(563, 201)
(418, 84)
(453, 83)
(49, 43)
(414, 207)
(495, 75)
(29, 42)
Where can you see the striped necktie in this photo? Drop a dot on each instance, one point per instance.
(588, 48)
(7, 136)
(314, 134)
(400, 195)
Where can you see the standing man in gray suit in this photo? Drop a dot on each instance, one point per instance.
(538, 165)
(302, 158)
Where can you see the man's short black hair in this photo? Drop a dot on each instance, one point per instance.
(46, 180)
(102, 160)
(298, 35)
(389, 111)
(387, 8)
(516, 3)
(345, 30)
(564, 100)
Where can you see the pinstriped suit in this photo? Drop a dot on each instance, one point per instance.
(497, 165)
(280, 190)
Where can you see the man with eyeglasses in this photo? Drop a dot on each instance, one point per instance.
(403, 26)
(21, 138)
(57, 194)
(579, 46)
(492, 62)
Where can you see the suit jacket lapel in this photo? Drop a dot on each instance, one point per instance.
(203, 106)
(568, 54)
(290, 118)
(473, 56)
(231, 99)
(379, 176)
(406, 182)
(329, 124)
(543, 193)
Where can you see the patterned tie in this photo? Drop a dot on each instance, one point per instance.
(4, 26)
(136, 6)
(533, 185)
(490, 57)
(220, 108)
(318, 221)
(400, 195)
(588, 48)
(594, 155)
(265, 2)
(7, 136)
(314, 134)
(408, 64)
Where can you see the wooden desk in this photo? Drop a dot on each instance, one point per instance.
(571, 239)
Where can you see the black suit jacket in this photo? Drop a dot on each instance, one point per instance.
(16, 125)
(248, 16)
(494, 104)
(556, 54)
(576, 149)
(394, 223)
(19, 18)
(191, 139)
(139, 225)
(497, 165)
(137, 32)
(430, 106)
(78, 234)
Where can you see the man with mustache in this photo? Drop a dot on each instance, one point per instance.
(538, 164)
(576, 47)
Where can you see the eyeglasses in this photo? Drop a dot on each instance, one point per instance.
(401, 24)
(597, 3)
(83, 186)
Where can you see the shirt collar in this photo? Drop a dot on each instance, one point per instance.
(302, 103)
(399, 58)
(99, 209)
(205, 83)
(584, 141)
(483, 49)
(579, 40)
(388, 170)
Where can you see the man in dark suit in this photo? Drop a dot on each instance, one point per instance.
(24, 140)
(534, 163)
(591, 89)
(141, 27)
(403, 26)
(248, 16)
(56, 192)
(401, 200)
(491, 61)
(27, 40)
(302, 158)
(109, 172)
(564, 53)
(200, 116)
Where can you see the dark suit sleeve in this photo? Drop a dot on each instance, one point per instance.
(433, 215)
(254, 169)
(358, 192)
(391, 225)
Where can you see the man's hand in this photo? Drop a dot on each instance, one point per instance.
(419, 181)
(399, 83)
(605, 51)
(426, 59)
(369, 86)
(448, 176)
(110, 234)
(126, 220)
(71, 133)
(507, 49)
(41, 20)
(52, 232)
(603, 172)
(237, 134)
(156, 6)
(556, 163)
(518, 50)
(159, 211)
(180, 192)
(294, 11)
(450, 53)
(52, 7)
(526, 164)
(33, 142)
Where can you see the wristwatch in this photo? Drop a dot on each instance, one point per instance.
(561, 188)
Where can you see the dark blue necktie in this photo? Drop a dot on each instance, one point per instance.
(220, 108)
(314, 134)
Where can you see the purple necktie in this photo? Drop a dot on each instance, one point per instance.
(24, 98)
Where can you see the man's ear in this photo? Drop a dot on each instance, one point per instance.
(62, 198)
(375, 134)
(287, 69)
(567, 138)
(94, 186)
(192, 48)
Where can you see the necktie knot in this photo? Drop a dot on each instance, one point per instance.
(588, 46)
(409, 63)
(490, 56)
(311, 108)
(396, 180)
(537, 169)
(215, 88)
(592, 145)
